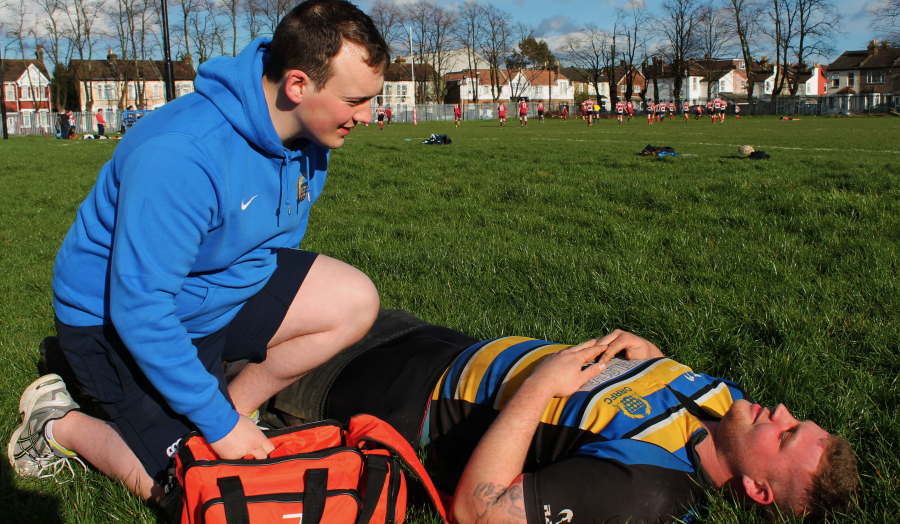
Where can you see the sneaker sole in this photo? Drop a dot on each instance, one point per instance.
(11, 447)
(33, 391)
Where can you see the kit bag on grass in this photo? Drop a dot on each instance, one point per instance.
(321, 472)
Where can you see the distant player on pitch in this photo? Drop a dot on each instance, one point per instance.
(501, 113)
(540, 111)
(629, 108)
(379, 113)
(737, 111)
(650, 112)
(523, 113)
(620, 111)
(686, 109)
(457, 114)
(671, 110)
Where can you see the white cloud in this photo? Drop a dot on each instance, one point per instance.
(559, 24)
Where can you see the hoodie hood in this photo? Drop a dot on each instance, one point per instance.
(234, 86)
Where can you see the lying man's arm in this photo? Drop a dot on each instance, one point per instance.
(490, 489)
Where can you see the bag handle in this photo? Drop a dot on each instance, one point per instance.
(378, 472)
(366, 428)
(314, 493)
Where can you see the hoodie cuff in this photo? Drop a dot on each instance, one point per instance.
(216, 419)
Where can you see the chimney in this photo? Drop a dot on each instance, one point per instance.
(400, 60)
(112, 57)
(817, 65)
(39, 54)
(622, 63)
(764, 63)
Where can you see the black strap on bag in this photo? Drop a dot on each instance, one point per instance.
(314, 493)
(378, 471)
(234, 500)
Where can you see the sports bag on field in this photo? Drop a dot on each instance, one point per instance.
(320, 472)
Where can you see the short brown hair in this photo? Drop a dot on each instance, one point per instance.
(313, 33)
(835, 480)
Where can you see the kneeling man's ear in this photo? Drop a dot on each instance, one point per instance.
(759, 491)
(297, 84)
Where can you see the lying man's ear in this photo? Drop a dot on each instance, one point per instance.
(758, 491)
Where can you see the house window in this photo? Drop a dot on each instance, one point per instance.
(485, 90)
(26, 118)
(387, 90)
(622, 89)
(10, 92)
(743, 87)
(875, 77)
(768, 85)
(564, 88)
(742, 65)
(851, 79)
(696, 83)
(402, 89)
(155, 91)
(131, 91)
(110, 93)
(835, 80)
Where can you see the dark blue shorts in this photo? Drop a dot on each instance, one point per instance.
(108, 373)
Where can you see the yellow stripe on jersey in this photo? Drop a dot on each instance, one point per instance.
(436, 394)
(473, 373)
(606, 404)
(716, 402)
(521, 371)
(671, 433)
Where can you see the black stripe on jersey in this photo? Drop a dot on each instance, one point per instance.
(627, 376)
(662, 416)
(497, 387)
(474, 353)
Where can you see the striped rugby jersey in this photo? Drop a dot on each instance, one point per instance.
(630, 429)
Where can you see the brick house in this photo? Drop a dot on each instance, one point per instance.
(115, 84)
(26, 87)
(860, 80)
(533, 84)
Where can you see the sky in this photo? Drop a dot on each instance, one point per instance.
(553, 19)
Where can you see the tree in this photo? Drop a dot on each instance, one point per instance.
(433, 38)
(633, 41)
(496, 46)
(81, 18)
(55, 42)
(389, 19)
(886, 21)
(470, 32)
(715, 37)
(745, 17)
(253, 18)
(782, 32)
(519, 61)
(817, 22)
(232, 11)
(21, 28)
(586, 50)
(680, 39)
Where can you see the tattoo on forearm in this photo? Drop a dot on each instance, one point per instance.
(496, 503)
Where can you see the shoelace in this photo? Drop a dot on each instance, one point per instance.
(57, 465)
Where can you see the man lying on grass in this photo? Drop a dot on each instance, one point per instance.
(525, 430)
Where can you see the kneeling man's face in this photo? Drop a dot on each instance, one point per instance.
(771, 446)
(326, 116)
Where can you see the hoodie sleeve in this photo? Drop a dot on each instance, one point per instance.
(167, 203)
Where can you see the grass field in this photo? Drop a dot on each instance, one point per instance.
(780, 274)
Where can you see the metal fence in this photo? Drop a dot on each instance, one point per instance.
(47, 124)
(832, 105)
(470, 111)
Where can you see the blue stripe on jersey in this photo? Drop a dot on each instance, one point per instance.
(633, 452)
(448, 388)
(499, 367)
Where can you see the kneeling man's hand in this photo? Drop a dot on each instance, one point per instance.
(635, 347)
(245, 439)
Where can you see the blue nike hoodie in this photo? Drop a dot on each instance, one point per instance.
(183, 227)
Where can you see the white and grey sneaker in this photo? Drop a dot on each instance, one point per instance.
(29, 452)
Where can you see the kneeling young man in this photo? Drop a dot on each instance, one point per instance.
(525, 430)
(184, 254)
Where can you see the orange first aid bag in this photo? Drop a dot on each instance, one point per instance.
(321, 472)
